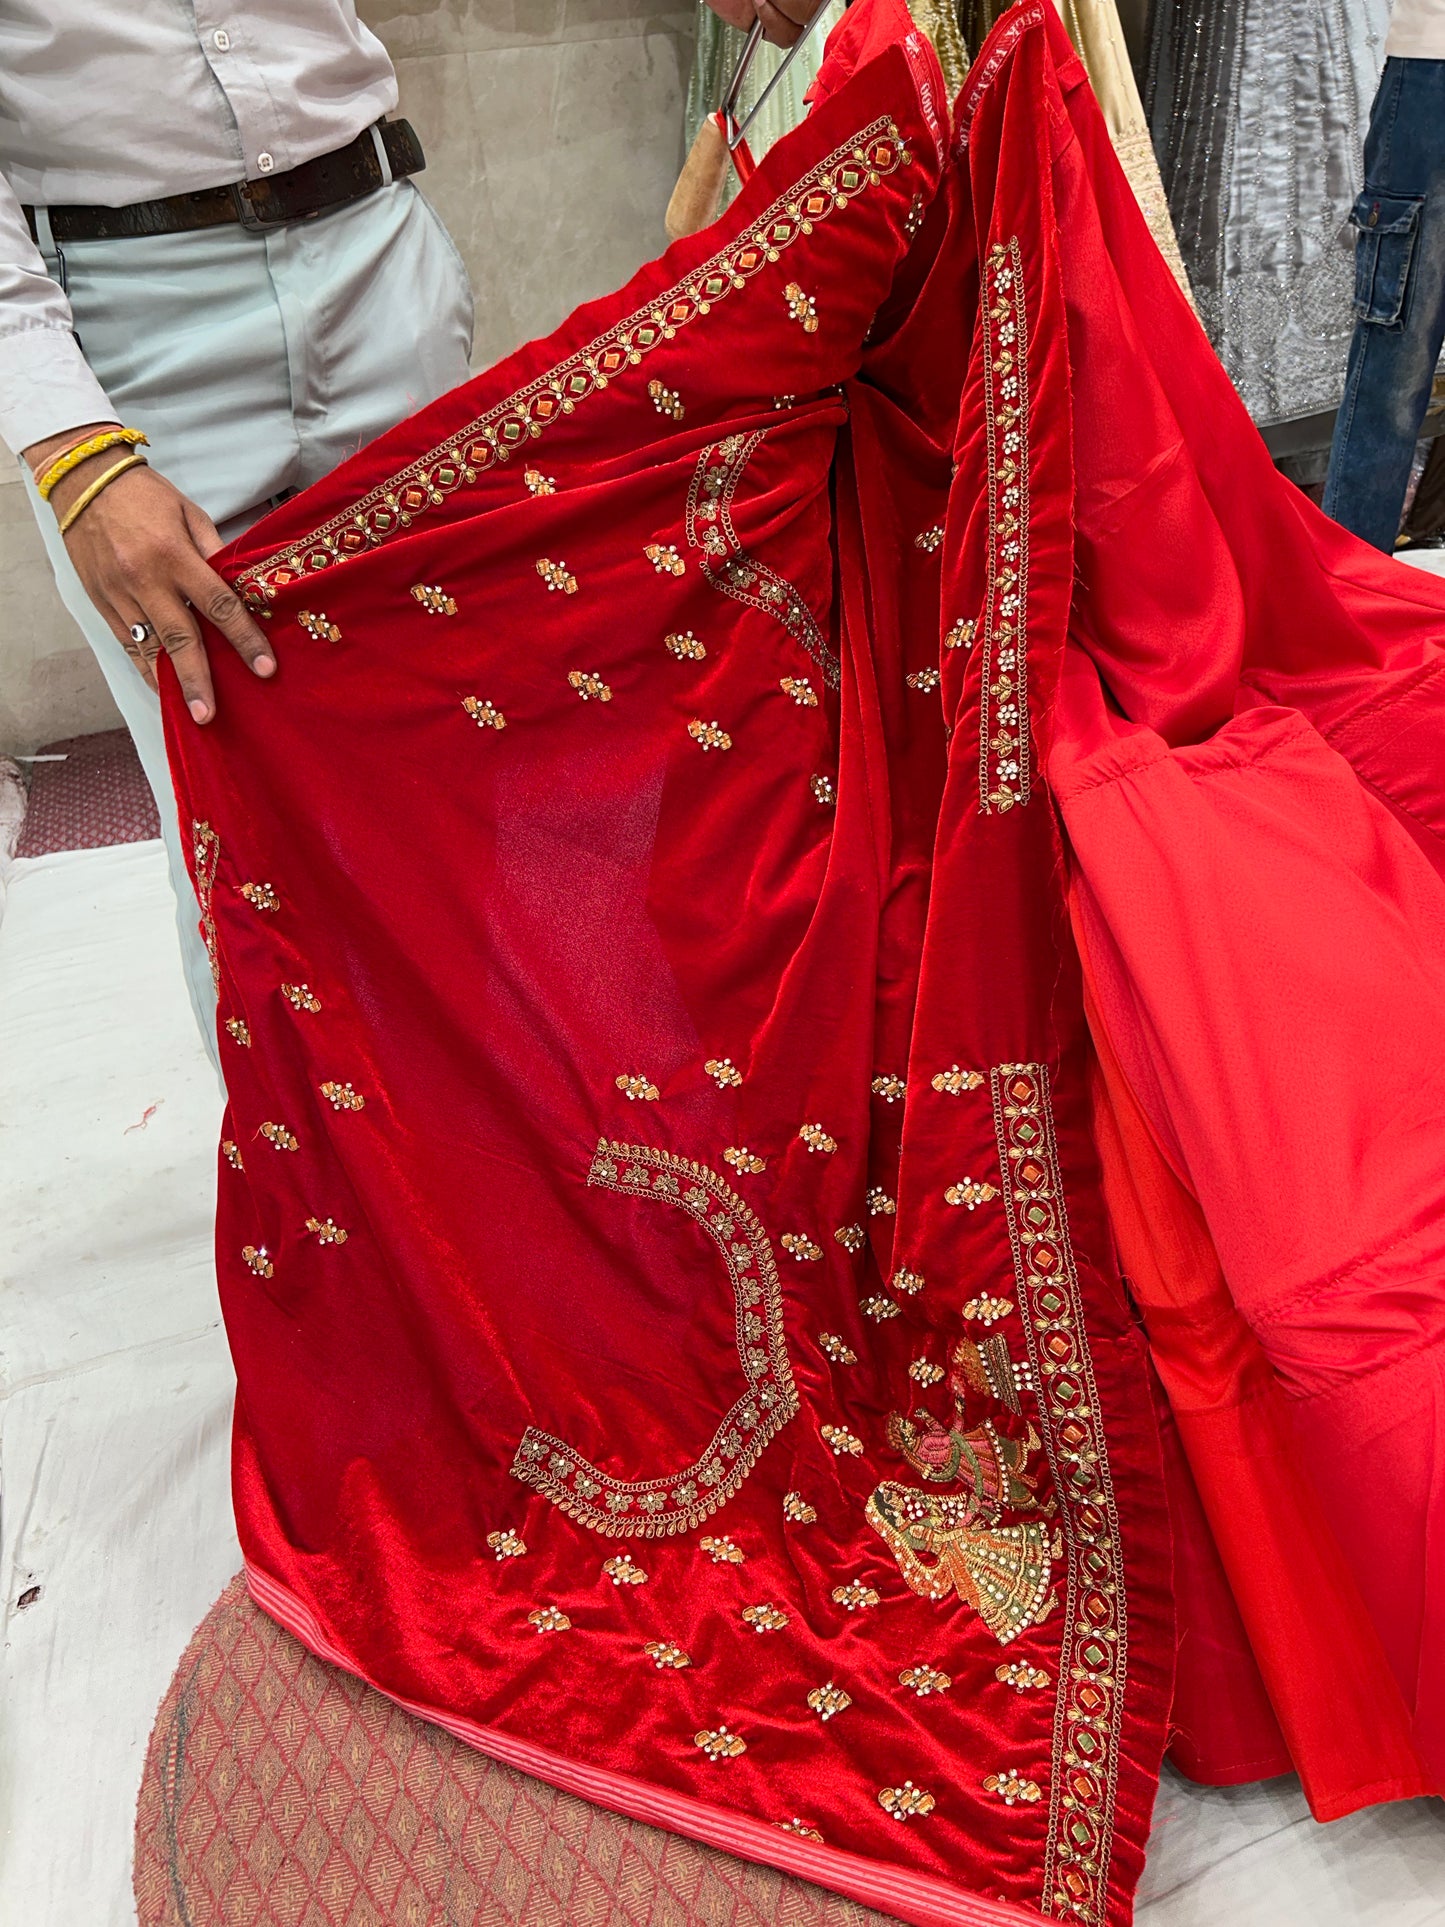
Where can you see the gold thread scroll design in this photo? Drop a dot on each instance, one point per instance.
(860, 163)
(728, 567)
(1091, 1669)
(658, 1508)
(1004, 750)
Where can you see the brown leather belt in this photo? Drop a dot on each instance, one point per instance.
(299, 194)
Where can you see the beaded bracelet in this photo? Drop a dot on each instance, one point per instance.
(82, 452)
(82, 502)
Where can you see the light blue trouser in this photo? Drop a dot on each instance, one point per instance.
(255, 363)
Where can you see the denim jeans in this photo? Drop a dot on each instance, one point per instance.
(1399, 301)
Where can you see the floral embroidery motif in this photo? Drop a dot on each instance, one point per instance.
(538, 483)
(801, 1828)
(259, 1259)
(840, 1440)
(852, 1237)
(239, 1030)
(910, 1282)
(720, 1744)
(1004, 750)
(665, 558)
(506, 1544)
(666, 1656)
(969, 1194)
(817, 1139)
(878, 1309)
(960, 636)
(924, 1680)
(301, 997)
(880, 1205)
(722, 1552)
(724, 1073)
(319, 628)
(278, 1137)
(828, 1700)
(557, 576)
(930, 539)
(923, 1372)
(396, 503)
(260, 896)
(801, 1247)
(954, 1081)
(549, 1619)
(685, 646)
(855, 1597)
(637, 1089)
(206, 852)
(1012, 1786)
(906, 1802)
(654, 1508)
(742, 1159)
(666, 400)
(801, 691)
(326, 1231)
(232, 1153)
(434, 600)
(484, 714)
(925, 679)
(623, 1571)
(590, 687)
(1021, 1676)
(764, 1619)
(708, 735)
(802, 307)
(988, 1311)
(797, 1510)
(832, 1346)
(889, 1088)
(342, 1097)
(823, 790)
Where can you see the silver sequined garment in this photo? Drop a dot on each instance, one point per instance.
(1258, 109)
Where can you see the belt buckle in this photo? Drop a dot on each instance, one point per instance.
(246, 212)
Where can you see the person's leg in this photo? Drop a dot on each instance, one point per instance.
(1399, 302)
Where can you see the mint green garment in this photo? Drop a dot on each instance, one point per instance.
(718, 47)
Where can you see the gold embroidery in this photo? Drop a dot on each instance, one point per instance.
(685, 645)
(724, 1072)
(889, 1088)
(840, 1440)
(722, 1552)
(930, 539)
(801, 691)
(852, 1237)
(590, 687)
(664, 558)
(764, 1619)
(828, 1700)
(1021, 1676)
(342, 1097)
(960, 636)
(797, 1510)
(556, 575)
(549, 1619)
(260, 896)
(832, 1346)
(802, 307)
(855, 1597)
(953, 1082)
(506, 1544)
(785, 401)
(319, 628)
(637, 1089)
(301, 997)
(948, 1543)
(925, 679)
(653, 1508)
(434, 600)
(987, 1310)
(823, 790)
(666, 400)
(708, 735)
(906, 1802)
(666, 1656)
(875, 152)
(817, 1139)
(803, 1831)
(880, 1205)
(326, 1231)
(720, 1745)
(922, 1372)
(969, 1194)
(1004, 749)
(239, 1030)
(538, 483)
(206, 849)
(259, 1259)
(623, 1571)
(878, 1309)
(484, 714)
(924, 1680)
(278, 1136)
(801, 1247)
(1011, 1786)
(742, 1159)
(233, 1154)
(907, 1281)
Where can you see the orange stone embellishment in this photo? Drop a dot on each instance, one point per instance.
(742, 1159)
(557, 576)
(319, 628)
(845, 1443)
(889, 1088)
(801, 1828)
(720, 1744)
(855, 1596)
(969, 1194)
(685, 646)
(907, 1281)
(434, 600)
(538, 483)
(925, 679)
(665, 558)
(548, 1619)
(708, 735)
(924, 1680)
(259, 1259)
(1021, 1676)
(506, 1544)
(637, 1089)
(906, 1802)
(484, 714)
(800, 1247)
(233, 1154)
(923, 1372)
(342, 1097)
(988, 1311)
(834, 1347)
(829, 1700)
(301, 997)
(953, 1082)
(239, 1030)
(326, 1231)
(260, 896)
(724, 1073)
(1011, 1787)
(278, 1137)
(880, 1205)
(666, 400)
(666, 1656)
(960, 636)
(817, 1139)
(802, 307)
(801, 691)
(623, 1572)
(879, 1308)
(797, 1509)
(764, 1619)
(852, 1237)
(590, 687)
(930, 539)
(722, 1552)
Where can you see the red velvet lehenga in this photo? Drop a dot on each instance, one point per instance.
(725, 761)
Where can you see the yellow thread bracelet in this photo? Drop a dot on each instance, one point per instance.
(83, 502)
(82, 452)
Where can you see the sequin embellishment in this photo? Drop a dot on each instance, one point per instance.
(802, 307)
(708, 735)
(764, 1619)
(828, 1701)
(434, 600)
(260, 896)
(259, 1259)
(906, 1802)
(924, 1680)
(301, 997)
(720, 1744)
(549, 1619)
(342, 1097)
(685, 645)
(666, 400)
(319, 627)
(589, 686)
(278, 1136)
(665, 558)
(240, 1030)
(556, 575)
(623, 1571)
(637, 1089)
(667, 1656)
(506, 1544)
(326, 1231)
(484, 714)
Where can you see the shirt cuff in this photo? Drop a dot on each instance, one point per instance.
(46, 387)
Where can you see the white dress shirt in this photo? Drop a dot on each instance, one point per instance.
(114, 101)
(1417, 30)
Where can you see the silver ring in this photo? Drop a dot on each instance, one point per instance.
(139, 631)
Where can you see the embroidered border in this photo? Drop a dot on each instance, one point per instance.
(207, 854)
(1003, 714)
(875, 152)
(655, 1508)
(982, 74)
(728, 567)
(1093, 1655)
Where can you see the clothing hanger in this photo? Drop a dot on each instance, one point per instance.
(733, 129)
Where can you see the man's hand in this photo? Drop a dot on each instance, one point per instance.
(783, 20)
(140, 551)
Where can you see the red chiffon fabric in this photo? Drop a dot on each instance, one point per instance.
(661, 1233)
